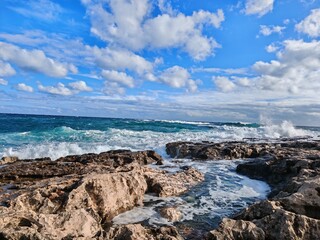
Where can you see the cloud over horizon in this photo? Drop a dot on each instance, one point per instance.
(162, 59)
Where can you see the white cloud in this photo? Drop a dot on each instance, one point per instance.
(63, 90)
(295, 71)
(222, 70)
(224, 83)
(178, 77)
(80, 86)
(258, 7)
(128, 24)
(57, 46)
(286, 21)
(268, 30)
(272, 48)
(59, 89)
(118, 77)
(121, 59)
(245, 82)
(113, 88)
(24, 87)
(311, 24)
(34, 60)
(41, 9)
(6, 69)
(3, 82)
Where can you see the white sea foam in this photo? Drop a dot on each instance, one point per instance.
(223, 193)
(65, 140)
(285, 129)
(184, 122)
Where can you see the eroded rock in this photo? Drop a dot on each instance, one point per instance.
(165, 185)
(76, 197)
(171, 213)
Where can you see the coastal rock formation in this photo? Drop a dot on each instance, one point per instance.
(76, 197)
(165, 185)
(292, 168)
(171, 213)
(137, 231)
(267, 220)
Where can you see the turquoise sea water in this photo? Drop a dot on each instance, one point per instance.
(223, 192)
(31, 136)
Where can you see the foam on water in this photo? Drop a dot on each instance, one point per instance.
(223, 193)
(61, 141)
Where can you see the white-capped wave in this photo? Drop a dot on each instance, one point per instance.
(285, 129)
(184, 122)
(65, 140)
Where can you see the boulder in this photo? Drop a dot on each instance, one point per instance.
(171, 213)
(165, 185)
(6, 160)
(137, 231)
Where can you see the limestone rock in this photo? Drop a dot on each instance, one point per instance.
(137, 231)
(76, 197)
(171, 213)
(237, 229)
(165, 185)
(6, 160)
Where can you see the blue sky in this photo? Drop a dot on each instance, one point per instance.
(190, 60)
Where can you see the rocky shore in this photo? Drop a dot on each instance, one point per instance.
(291, 168)
(76, 197)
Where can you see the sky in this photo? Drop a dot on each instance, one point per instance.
(209, 60)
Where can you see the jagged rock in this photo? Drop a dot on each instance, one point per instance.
(270, 221)
(293, 212)
(77, 164)
(76, 197)
(216, 151)
(236, 229)
(137, 231)
(6, 160)
(305, 201)
(171, 213)
(165, 185)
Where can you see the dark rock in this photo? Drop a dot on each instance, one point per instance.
(293, 210)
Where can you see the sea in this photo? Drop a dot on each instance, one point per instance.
(223, 193)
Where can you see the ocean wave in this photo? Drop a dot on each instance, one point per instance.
(285, 129)
(65, 140)
(183, 122)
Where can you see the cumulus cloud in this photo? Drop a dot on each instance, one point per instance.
(268, 30)
(32, 60)
(59, 89)
(63, 90)
(80, 86)
(128, 24)
(296, 70)
(41, 9)
(178, 77)
(272, 48)
(3, 82)
(258, 7)
(24, 87)
(119, 77)
(311, 24)
(224, 83)
(6, 69)
(121, 59)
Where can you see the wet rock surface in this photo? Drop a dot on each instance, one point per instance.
(76, 197)
(292, 168)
